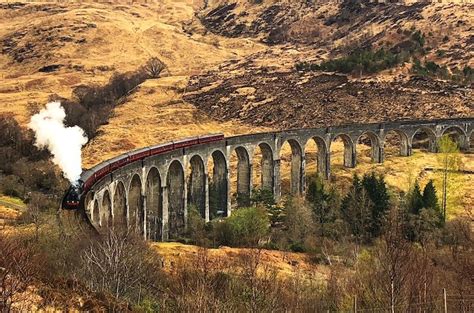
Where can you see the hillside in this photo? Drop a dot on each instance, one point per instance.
(51, 48)
(239, 66)
(268, 89)
(228, 61)
(231, 66)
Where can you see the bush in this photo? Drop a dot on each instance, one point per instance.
(153, 67)
(433, 69)
(298, 224)
(11, 186)
(419, 38)
(263, 197)
(360, 61)
(245, 227)
(196, 228)
(25, 167)
(441, 53)
(18, 268)
(297, 247)
(122, 265)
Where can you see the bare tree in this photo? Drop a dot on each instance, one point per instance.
(259, 282)
(153, 67)
(383, 277)
(16, 271)
(121, 264)
(449, 159)
(37, 206)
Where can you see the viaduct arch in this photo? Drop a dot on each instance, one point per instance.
(152, 195)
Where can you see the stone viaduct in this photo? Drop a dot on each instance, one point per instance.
(153, 194)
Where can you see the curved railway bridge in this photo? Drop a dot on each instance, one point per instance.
(151, 189)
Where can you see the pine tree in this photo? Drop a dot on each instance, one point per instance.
(320, 202)
(412, 219)
(430, 200)
(356, 210)
(378, 193)
(415, 202)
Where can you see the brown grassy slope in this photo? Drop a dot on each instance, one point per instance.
(285, 264)
(155, 113)
(90, 41)
(265, 89)
(335, 29)
(284, 99)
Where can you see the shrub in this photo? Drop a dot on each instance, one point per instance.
(418, 37)
(263, 197)
(153, 67)
(360, 61)
(298, 223)
(441, 53)
(120, 264)
(196, 228)
(11, 186)
(297, 247)
(245, 227)
(17, 271)
(431, 68)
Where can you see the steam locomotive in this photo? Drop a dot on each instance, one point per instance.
(74, 197)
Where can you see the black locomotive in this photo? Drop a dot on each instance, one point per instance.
(72, 198)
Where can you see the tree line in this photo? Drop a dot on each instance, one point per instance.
(382, 247)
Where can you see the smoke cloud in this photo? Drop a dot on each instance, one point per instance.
(63, 142)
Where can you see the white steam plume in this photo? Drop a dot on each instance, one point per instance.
(63, 142)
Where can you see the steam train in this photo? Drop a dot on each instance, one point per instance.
(74, 197)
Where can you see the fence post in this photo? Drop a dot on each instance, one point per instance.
(444, 301)
(392, 298)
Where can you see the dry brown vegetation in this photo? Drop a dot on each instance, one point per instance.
(232, 74)
(83, 44)
(51, 48)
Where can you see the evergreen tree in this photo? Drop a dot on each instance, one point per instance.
(415, 201)
(263, 198)
(356, 210)
(430, 200)
(423, 215)
(378, 194)
(319, 200)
